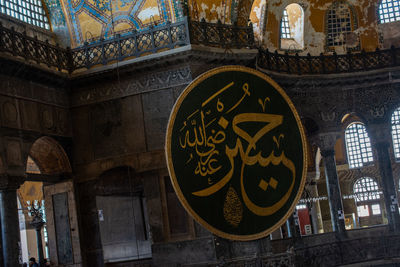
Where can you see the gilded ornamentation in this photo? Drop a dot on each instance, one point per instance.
(233, 208)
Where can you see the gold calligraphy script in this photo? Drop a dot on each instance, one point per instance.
(203, 135)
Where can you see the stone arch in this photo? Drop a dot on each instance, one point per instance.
(50, 156)
(347, 118)
(258, 17)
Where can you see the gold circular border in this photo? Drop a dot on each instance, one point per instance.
(170, 166)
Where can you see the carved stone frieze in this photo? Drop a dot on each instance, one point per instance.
(372, 97)
(146, 83)
(14, 87)
(328, 116)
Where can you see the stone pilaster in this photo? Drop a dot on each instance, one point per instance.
(380, 139)
(9, 219)
(326, 143)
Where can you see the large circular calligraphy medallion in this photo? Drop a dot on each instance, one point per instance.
(236, 152)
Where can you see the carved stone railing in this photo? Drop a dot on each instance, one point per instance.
(221, 35)
(328, 64)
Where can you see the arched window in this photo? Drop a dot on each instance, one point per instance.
(396, 132)
(367, 195)
(29, 11)
(292, 28)
(366, 189)
(389, 11)
(340, 24)
(358, 145)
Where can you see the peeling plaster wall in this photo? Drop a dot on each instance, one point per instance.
(211, 10)
(314, 23)
(295, 13)
(256, 17)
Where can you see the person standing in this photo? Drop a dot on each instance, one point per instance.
(33, 263)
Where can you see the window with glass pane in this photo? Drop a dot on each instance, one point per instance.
(396, 132)
(359, 151)
(29, 11)
(363, 211)
(389, 11)
(301, 207)
(285, 29)
(376, 209)
(338, 24)
(365, 189)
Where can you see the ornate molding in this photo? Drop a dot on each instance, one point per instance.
(147, 83)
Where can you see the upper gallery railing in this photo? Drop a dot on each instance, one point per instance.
(33, 50)
(135, 44)
(184, 32)
(328, 64)
(221, 35)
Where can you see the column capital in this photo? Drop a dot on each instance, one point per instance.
(9, 182)
(326, 142)
(380, 133)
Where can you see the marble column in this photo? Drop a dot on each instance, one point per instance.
(381, 142)
(316, 210)
(92, 247)
(326, 143)
(9, 219)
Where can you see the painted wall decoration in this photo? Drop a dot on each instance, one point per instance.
(236, 153)
(91, 20)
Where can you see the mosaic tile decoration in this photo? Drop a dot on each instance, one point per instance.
(91, 20)
(56, 14)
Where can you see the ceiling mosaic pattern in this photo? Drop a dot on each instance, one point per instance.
(90, 20)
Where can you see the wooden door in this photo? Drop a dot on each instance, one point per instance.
(62, 225)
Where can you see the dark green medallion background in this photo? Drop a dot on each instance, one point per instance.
(196, 110)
